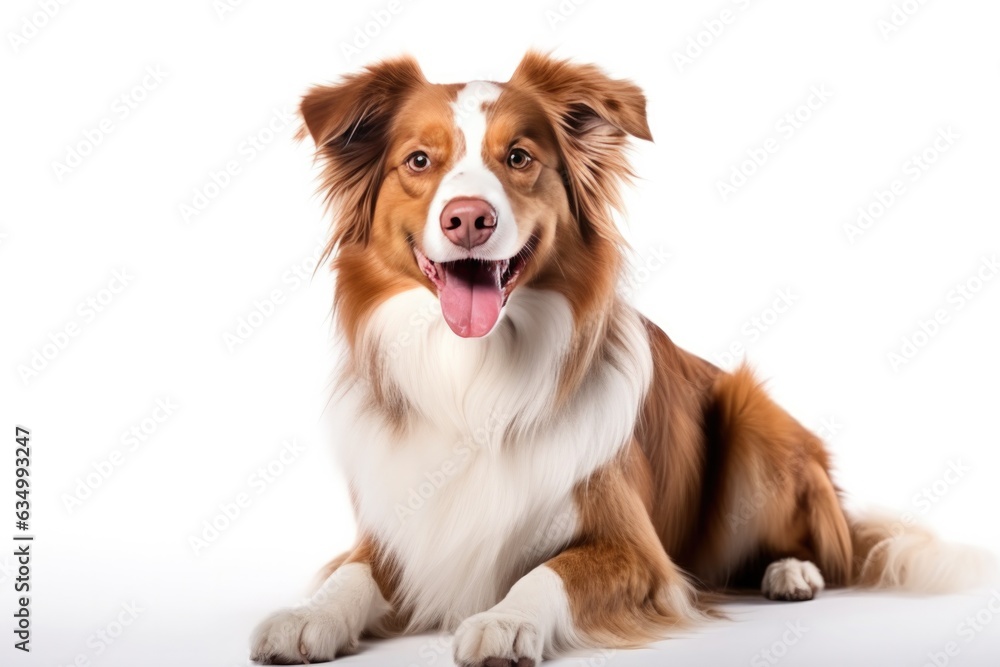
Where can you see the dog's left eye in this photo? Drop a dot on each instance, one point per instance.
(518, 158)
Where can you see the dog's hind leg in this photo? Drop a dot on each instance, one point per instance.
(774, 517)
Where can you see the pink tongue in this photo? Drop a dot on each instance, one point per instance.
(470, 298)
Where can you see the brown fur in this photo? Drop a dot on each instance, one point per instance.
(622, 587)
(726, 482)
(742, 483)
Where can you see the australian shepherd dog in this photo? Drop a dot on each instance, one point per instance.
(533, 464)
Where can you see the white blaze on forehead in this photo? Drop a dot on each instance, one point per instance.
(470, 118)
(470, 177)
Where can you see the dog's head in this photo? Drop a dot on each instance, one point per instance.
(473, 190)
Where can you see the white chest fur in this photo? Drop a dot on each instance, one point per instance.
(478, 487)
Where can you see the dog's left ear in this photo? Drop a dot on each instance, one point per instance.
(593, 115)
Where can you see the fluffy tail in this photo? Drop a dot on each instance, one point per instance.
(891, 554)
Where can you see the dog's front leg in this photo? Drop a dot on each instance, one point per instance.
(534, 619)
(614, 586)
(330, 622)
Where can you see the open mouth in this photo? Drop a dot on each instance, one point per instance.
(472, 291)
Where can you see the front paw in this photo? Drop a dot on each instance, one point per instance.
(301, 636)
(498, 639)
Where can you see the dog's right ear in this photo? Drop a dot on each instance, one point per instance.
(349, 123)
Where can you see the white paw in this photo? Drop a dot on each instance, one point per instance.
(791, 579)
(301, 636)
(498, 639)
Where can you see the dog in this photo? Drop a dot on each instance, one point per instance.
(533, 464)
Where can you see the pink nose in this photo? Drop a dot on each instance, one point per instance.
(468, 222)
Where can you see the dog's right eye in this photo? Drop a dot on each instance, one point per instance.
(418, 161)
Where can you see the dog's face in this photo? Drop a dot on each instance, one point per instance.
(472, 190)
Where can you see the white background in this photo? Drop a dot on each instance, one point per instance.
(225, 76)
